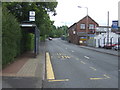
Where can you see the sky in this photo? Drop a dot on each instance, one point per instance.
(68, 12)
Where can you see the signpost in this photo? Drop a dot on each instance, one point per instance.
(119, 25)
(31, 15)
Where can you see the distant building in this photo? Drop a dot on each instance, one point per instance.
(82, 31)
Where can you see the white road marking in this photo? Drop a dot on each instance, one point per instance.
(73, 51)
(82, 62)
(87, 57)
(106, 76)
(93, 68)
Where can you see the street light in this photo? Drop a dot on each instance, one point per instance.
(86, 23)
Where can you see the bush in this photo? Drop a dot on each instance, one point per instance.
(11, 36)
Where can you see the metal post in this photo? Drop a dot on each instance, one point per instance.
(104, 41)
(108, 29)
(87, 27)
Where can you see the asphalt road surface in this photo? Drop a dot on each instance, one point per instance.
(75, 67)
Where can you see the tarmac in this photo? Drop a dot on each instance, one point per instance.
(30, 72)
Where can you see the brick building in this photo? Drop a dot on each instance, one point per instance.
(82, 31)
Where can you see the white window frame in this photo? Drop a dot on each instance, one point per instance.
(91, 26)
(82, 26)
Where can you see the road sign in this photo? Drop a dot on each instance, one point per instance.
(31, 18)
(32, 13)
(115, 24)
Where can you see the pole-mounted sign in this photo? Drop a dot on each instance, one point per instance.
(31, 15)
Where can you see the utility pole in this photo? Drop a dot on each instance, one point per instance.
(108, 29)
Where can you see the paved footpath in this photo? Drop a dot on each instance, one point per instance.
(26, 71)
(102, 50)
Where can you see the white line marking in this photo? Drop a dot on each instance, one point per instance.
(106, 76)
(87, 57)
(82, 62)
(93, 68)
(73, 51)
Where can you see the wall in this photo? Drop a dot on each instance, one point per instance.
(100, 38)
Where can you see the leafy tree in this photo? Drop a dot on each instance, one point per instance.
(21, 10)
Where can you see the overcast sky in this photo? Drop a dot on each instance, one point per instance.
(68, 13)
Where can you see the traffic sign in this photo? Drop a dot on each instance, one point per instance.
(115, 24)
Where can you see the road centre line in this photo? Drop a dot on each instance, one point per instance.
(82, 62)
(106, 76)
(50, 73)
(87, 57)
(93, 68)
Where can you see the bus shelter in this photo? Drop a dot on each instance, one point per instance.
(32, 28)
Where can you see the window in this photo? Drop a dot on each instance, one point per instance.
(82, 26)
(91, 26)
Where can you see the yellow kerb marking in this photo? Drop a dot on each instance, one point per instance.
(58, 80)
(50, 73)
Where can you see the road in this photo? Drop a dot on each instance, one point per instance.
(75, 67)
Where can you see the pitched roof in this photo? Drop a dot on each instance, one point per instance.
(88, 17)
(82, 19)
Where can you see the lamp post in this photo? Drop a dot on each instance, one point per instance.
(86, 23)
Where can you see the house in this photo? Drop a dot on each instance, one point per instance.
(82, 31)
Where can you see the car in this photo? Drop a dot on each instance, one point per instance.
(117, 47)
(110, 45)
(50, 38)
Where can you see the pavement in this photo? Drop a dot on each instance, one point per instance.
(102, 50)
(29, 72)
(26, 72)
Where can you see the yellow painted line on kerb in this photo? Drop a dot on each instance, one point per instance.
(50, 73)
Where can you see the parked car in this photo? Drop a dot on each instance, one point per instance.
(117, 47)
(109, 45)
(50, 38)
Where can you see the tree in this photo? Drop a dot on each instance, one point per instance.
(21, 9)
